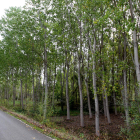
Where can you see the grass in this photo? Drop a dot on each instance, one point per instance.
(35, 127)
(55, 131)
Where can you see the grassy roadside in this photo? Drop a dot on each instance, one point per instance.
(54, 132)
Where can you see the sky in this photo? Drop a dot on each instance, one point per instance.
(5, 4)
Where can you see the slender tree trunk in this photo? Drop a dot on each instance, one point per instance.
(136, 58)
(129, 81)
(79, 79)
(126, 99)
(14, 94)
(95, 92)
(26, 94)
(73, 81)
(135, 87)
(13, 88)
(45, 70)
(67, 94)
(43, 85)
(114, 99)
(106, 99)
(114, 96)
(54, 86)
(87, 88)
(5, 95)
(87, 85)
(81, 97)
(121, 81)
(104, 104)
(89, 105)
(125, 87)
(107, 107)
(33, 96)
(7, 90)
(21, 98)
(40, 87)
(103, 93)
(62, 85)
(46, 79)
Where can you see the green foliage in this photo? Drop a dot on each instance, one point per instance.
(49, 123)
(18, 109)
(63, 31)
(81, 135)
(133, 132)
(51, 112)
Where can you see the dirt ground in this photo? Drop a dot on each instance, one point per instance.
(108, 131)
(72, 126)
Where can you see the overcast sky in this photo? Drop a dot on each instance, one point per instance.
(5, 4)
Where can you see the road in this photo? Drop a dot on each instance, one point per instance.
(14, 129)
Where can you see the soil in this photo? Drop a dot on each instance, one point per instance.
(108, 131)
(72, 126)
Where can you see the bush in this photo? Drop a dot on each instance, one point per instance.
(18, 109)
(134, 132)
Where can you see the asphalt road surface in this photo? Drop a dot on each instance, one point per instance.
(14, 129)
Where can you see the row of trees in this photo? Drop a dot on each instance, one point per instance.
(81, 51)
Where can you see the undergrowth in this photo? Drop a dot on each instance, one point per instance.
(133, 132)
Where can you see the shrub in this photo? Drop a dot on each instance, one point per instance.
(134, 132)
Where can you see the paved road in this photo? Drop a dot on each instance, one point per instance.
(13, 129)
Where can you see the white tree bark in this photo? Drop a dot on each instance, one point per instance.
(13, 88)
(79, 77)
(114, 96)
(136, 58)
(106, 99)
(46, 80)
(126, 99)
(95, 93)
(54, 86)
(107, 107)
(67, 94)
(81, 97)
(125, 87)
(87, 87)
(33, 96)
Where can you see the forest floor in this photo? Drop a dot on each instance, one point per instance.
(108, 131)
(70, 129)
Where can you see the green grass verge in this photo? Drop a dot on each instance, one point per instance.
(55, 132)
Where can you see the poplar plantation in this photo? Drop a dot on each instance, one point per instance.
(58, 57)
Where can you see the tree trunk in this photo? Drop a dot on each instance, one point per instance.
(94, 89)
(104, 104)
(26, 94)
(87, 86)
(62, 85)
(33, 96)
(89, 105)
(46, 79)
(81, 97)
(106, 99)
(125, 86)
(54, 86)
(5, 94)
(114, 96)
(79, 79)
(13, 88)
(21, 98)
(67, 94)
(136, 58)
